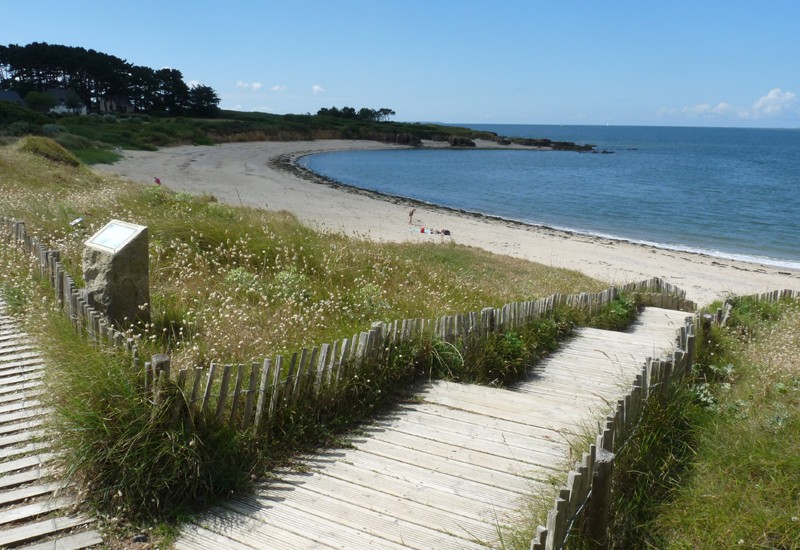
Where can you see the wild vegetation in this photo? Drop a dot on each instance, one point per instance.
(717, 466)
(235, 285)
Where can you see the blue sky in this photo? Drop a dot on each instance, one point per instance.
(676, 63)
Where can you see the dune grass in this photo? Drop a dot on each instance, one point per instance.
(233, 284)
(717, 465)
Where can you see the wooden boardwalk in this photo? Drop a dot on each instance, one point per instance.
(446, 470)
(35, 507)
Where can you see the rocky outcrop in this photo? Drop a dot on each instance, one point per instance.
(458, 141)
(545, 143)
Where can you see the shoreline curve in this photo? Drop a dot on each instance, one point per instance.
(266, 175)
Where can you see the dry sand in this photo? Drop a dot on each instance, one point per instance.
(260, 174)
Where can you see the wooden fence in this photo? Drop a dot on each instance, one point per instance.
(253, 395)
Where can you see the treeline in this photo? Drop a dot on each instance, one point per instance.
(104, 83)
(375, 115)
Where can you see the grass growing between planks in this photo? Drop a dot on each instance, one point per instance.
(233, 284)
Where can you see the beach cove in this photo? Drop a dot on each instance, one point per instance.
(266, 175)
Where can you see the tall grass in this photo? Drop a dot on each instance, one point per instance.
(233, 284)
(745, 485)
(716, 465)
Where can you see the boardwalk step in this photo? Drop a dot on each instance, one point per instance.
(30, 491)
(39, 529)
(29, 511)
(27, 476)
(70, 541)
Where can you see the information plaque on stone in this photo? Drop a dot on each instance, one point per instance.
(116, 272)
(114, 236)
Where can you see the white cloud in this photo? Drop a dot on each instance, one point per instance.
(721, 108)
(278, 88)
(776, 103)
(317, 89)
(254, 86)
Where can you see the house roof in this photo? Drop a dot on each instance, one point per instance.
(62, 95)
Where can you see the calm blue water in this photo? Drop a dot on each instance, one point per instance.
(732, 193)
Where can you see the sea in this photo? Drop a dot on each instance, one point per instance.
(726, 192)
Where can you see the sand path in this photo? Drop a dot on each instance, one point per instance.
(255, 174)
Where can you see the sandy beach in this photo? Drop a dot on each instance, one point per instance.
(262, 174)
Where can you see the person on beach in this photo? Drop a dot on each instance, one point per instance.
(157, 181)
(411, 214)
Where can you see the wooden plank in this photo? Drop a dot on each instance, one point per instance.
(485, 427)
(196, 537)
(262, 393)
(20, 356)
(19, 405)
(407, 510)
(507, 404)
(343, 474)
(437, 442)
(17, 368)
(27, 462)
(43, 528)
(238, 521)
(212, 369)
(223, 392)
(9, 428)
(301, 381)
(477, 473)
(30, 491)
(236, 395)
(26, 377)
(72, 541)
(20, 513)
(35, 361)
(29, 434)
(386, 525)
(24, 392)
(8, 452)
(252, 388)
(320, 529)
(444, 481)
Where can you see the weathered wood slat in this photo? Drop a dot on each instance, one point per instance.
(408, 509)
(388, 527)
(24, 463)
(71, 541)
(449, 434)
(39, 529)
(21, 404)
(8, 452)
(26, 476)
(21, 437)
(29, 491)
(28, 511)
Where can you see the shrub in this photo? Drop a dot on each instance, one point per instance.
(49, 149)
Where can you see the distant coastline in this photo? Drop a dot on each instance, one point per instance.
(265, 175)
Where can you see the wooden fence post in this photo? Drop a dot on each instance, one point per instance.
(597, 511)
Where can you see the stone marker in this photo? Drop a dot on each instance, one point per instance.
(117, 274)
